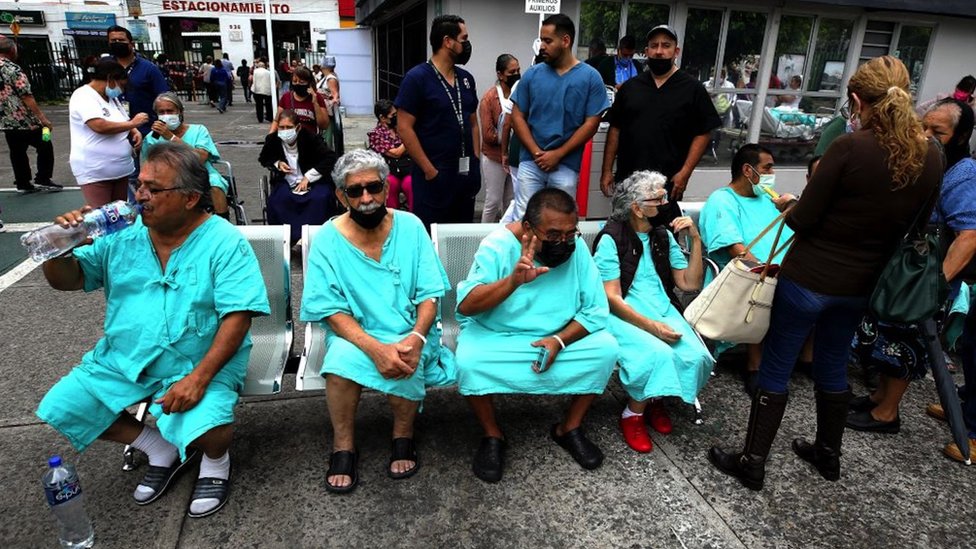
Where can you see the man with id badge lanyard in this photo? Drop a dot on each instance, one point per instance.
(437, 107)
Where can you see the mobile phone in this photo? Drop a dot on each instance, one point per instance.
(541, 362)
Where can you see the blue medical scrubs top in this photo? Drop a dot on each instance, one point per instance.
(422, 94)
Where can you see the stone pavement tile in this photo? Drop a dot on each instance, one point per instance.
(45, 333)
(118, 521)
(894, 491)
(545, 499)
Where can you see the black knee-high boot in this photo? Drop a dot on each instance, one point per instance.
(749, 465)
(824, 453)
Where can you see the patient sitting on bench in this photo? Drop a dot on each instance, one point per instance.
(373, 279)
(181, 286)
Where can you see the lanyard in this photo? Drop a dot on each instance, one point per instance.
(458, 107)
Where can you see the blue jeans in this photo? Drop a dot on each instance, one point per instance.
(532, 180)
(796, 310)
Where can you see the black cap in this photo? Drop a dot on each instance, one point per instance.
(666, 29)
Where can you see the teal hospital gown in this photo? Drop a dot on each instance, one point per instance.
(198, 137)
(728, 218)
(382, 296)
(158, 326)
(494, 351)
(650, 367)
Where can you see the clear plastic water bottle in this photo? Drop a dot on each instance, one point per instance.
(51, 241)
(67, 503)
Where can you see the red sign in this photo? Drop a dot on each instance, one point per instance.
(347, 8)
(223, 7)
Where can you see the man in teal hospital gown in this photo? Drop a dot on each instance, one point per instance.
(180, 286)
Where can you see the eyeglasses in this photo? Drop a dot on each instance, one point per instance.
(153, 192)
(656, 201)
(373, 187)
(556, 236)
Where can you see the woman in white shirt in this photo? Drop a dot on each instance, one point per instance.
(101, 153)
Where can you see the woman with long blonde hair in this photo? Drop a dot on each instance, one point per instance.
(869, 187)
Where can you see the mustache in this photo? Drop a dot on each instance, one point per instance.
(368, 208)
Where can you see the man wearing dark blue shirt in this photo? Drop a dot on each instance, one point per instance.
(437, 111)
(145, 80)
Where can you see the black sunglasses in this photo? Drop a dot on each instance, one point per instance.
(356, 191)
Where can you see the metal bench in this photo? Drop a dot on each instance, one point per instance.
(310, 362)
(272, 336)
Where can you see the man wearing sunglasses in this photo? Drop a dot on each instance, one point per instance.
(373, 280)
(181, 286)
(533, 316)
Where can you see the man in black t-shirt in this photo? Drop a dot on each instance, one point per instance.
(661, 121)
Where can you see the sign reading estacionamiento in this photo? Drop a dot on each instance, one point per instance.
(223, 7)
(544, 7)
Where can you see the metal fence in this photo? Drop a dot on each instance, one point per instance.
(57, 70)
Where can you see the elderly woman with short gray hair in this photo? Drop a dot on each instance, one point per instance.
(171, 126)
(660, 355)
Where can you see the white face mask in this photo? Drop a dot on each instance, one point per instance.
(172, 121)
(767, 182)
(288, 136)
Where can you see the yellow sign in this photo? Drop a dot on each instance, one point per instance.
(15, 28)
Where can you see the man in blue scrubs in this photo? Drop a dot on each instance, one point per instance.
(145, 81)
(181, 286)
(438, 121)
(558, 105)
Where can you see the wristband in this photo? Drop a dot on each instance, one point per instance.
(560, 340)
(418, 334)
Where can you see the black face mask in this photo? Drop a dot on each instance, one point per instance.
(511, 80)
(554, 254)
(369, 220)
(465, 55)
(300, 89)
(393, 121)
(659, 66)
(118, 49)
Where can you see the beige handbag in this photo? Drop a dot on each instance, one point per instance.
(735, 307)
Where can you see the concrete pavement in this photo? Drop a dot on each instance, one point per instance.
(895, 490)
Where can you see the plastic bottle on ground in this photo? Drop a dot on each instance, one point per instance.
(67, 504)
(51, 241)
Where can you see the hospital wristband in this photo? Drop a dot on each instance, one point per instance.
(560, 340)
(418, 334)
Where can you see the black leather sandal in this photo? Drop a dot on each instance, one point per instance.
(404, 449)
(344, 463)
(160, 478)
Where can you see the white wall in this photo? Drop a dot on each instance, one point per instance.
(353, 51)
(950, 56)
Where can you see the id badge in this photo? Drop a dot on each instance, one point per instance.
(464, 165)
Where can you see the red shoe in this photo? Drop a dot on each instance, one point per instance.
(635, 434)
(657, 417)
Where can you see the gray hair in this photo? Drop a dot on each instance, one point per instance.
(191, 174)
(172, 98)
(639, 186)
(358, 160)
(953, 110)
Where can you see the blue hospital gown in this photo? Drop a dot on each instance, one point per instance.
(198, 137)
(650, 367)
(158, 326)
(728, 218)
(382, 297)
(494, 351)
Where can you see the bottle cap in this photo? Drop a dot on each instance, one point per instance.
(55, 461)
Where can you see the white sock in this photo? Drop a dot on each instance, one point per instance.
(628, 413)
(211, 468)
(160, 452)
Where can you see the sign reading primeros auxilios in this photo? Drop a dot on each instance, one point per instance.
(542, 6)
(223, 7)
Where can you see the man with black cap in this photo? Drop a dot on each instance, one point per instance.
(661, 121)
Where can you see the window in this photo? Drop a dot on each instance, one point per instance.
(609, 20)
(913, 45)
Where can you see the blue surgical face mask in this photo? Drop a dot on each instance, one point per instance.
(767, 181)
(113, 93)
(288, 136)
